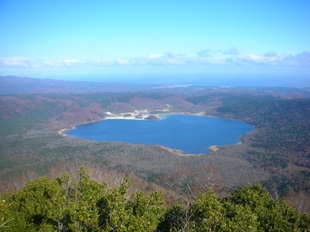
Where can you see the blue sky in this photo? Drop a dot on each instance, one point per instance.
(50, 38)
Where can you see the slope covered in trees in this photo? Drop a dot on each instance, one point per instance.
(281, 139)
(276, 153)
(65, 204)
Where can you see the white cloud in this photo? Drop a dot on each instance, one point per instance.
(63, 63)
(154, 56)
(122, 61)
(252, 59)
(166, 55)
(16, 62)
(71, 62)
(274, 59)
(207, 57)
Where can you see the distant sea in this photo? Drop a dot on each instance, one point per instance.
(190, 133)
(233, 80)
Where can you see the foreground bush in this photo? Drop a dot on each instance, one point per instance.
(63, 204)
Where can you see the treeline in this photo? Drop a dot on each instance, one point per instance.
(283, 125)
(275, 154)
(281, 139)
(65, 204)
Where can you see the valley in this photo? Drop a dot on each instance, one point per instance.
(275, 154)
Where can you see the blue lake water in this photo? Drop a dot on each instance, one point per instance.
(190, 133)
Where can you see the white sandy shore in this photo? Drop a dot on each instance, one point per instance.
(141, 115)
(214, 148)
(136, 115)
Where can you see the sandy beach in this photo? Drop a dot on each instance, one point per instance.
(62, 132)
(141, 115)
(214, 148)
(136, 115)
(176, 152)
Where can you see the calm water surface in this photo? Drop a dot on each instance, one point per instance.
(189, 133)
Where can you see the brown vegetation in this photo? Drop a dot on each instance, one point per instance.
(276, 153)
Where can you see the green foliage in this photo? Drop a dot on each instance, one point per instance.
(255, 196)
(240, 218)
(31, 208)
(256, 202)
(112, 207)
(64, 204)
(278, 147)
(140, 213)
(304, 222)
(145, 211)
(82, 202)
(208, 213)
(175, 219)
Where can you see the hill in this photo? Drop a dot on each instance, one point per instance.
(68, 204)
(275, 154)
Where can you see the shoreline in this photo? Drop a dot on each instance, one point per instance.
(72, 127)
(137, 115)
(214, 148)
(122, 116)
(176, 152)
(145, 115)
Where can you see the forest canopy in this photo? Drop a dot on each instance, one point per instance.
(65, 204)
(275, 154)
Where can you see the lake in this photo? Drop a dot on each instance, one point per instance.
(190, 133)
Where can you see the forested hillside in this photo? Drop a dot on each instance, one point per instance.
(281, 138)
(65, 204)
(275, 154)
